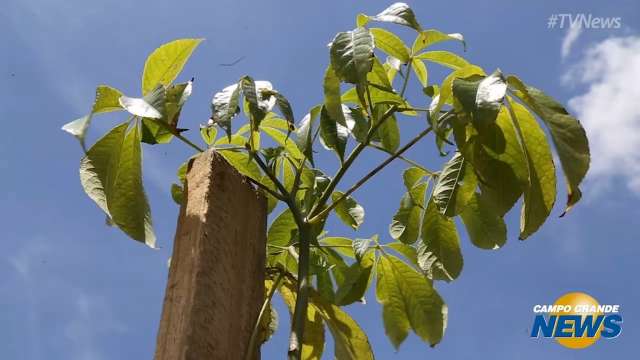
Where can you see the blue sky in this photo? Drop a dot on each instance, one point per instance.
(72, 288)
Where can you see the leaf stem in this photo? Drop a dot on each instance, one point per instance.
(372, 173)
(406, 79)
(177, 134)
(265, 188)
(265, 305)
(405, 159)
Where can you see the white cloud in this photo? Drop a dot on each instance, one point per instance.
(569, 40)
(609, 110)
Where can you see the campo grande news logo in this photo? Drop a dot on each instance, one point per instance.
(576, 320)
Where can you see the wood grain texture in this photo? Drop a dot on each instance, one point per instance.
(216, 279)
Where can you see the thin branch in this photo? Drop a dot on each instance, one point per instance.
(271, 176)
(372, 173)
(350, 159)
(177, 134)
(406, 79)
(256, 327)
(405, 159)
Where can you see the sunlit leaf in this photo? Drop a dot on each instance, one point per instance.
(430, 37)
(390, 44)
(455, 186)
(486, 229)
(397, 13)
(439, 253)
(357, 279)
(166, 62)
(444, 58)
(566, 131)
(540, 192)
(283, 229)
(348, 210)
(420, 70)
(352, 55)
(409, 302)
(111, 175)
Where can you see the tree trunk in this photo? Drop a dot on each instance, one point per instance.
(216, 277)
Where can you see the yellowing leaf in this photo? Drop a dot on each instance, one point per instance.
(390, 44)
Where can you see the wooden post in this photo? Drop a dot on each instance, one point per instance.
(216, 277)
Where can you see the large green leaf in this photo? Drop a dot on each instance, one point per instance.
(111, 175)
(445, 58)
(352, 55)
(166, 62)
(409, 302)
(397, 13)
(540, 192)
(243, 163)
(430, 37)
(390, 44)
(313, 341)
(499, 163)
(348, 210)
(341, 245)
(486, 229)
(349, 339)
(388, 131)
(455, 186)
(281, 139)
(566, 131)
(439, 253)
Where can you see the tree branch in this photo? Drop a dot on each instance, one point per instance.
(372, 173)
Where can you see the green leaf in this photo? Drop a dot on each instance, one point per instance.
(208, 134)
(166, 62)
(446, 90)
(390, 44)
(567, 133)
(397, 13)
(177, 193)
(150, 106)
(333, 136)
(286, 110)
(486, 229)
(455, 186)
(224, 107)
(352, 55)
(348, 210)
(420, 70)
(349, 339)
(483, 98)
(412, 176)
(439, 253)
(409, 302)
(107, 100)
(444, 58)
(332, 102)
(540, 192)
(111, 175)
(499, 163)
(356, 281)
(281, 139)
(388, 131)
(243, 163)
(405, 226)
(283, 229)
(430, 37)
(305, 133)
(313, 341)
(405, 250)
(362, 246)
